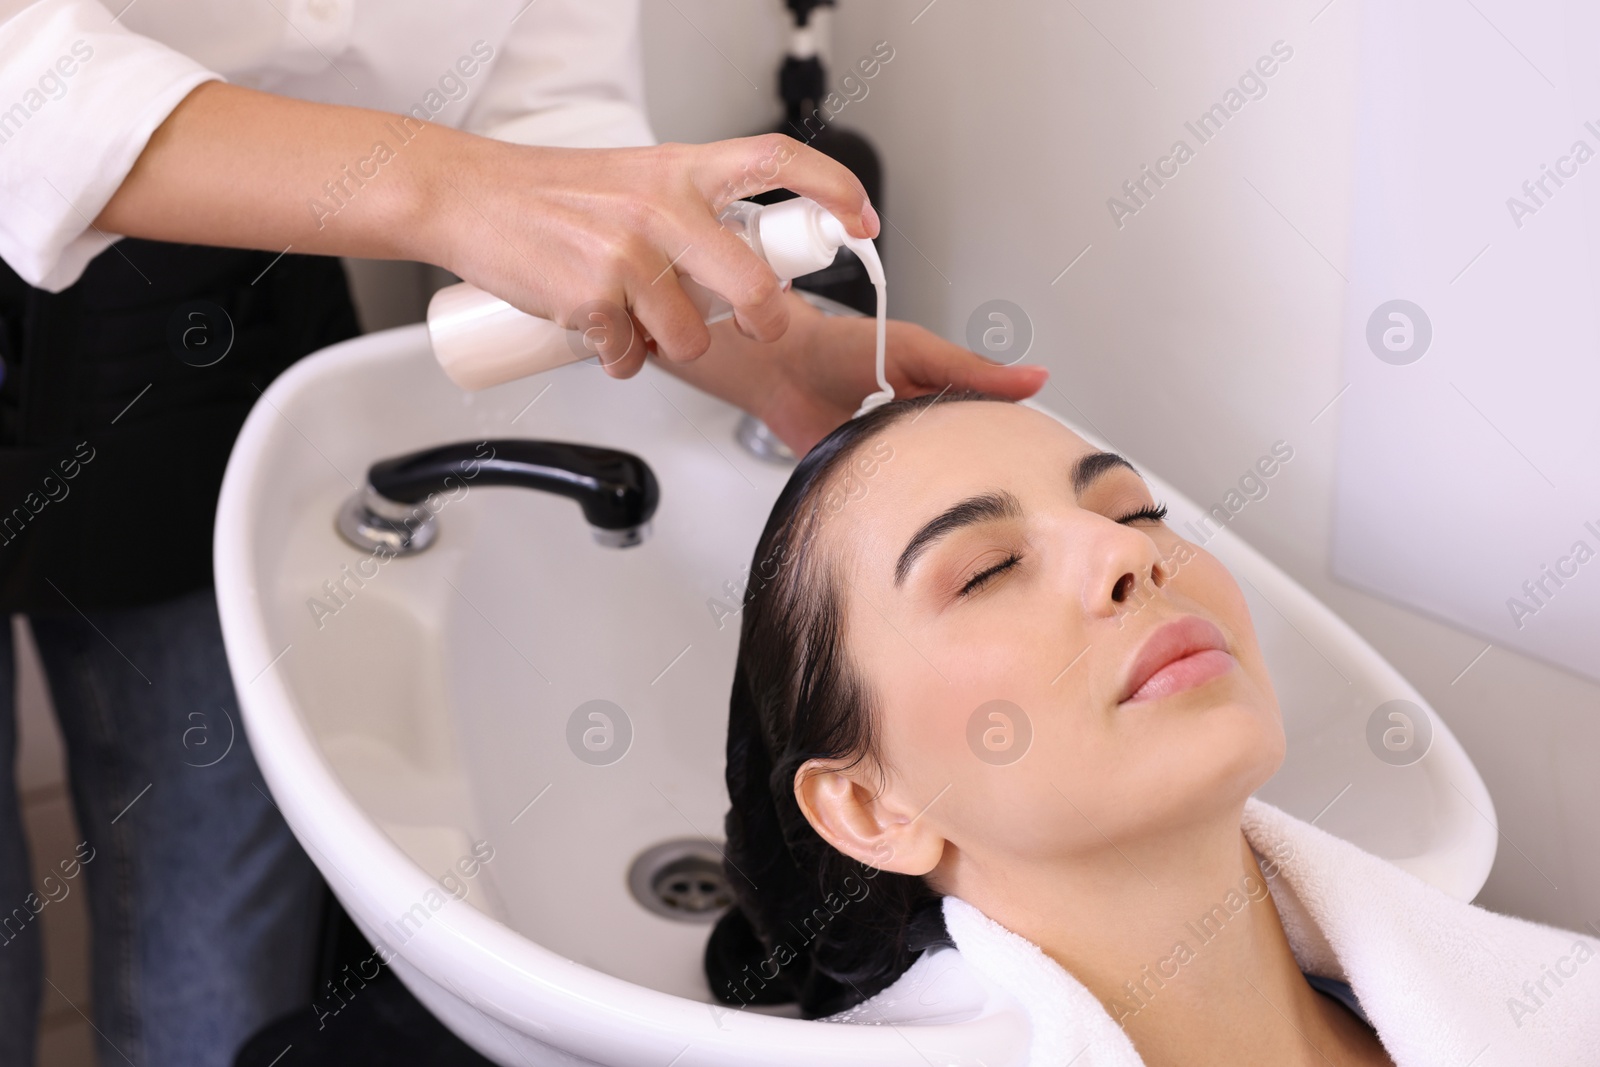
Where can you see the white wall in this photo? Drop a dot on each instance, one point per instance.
(1202, 331)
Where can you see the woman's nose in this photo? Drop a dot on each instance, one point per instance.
(1126, 569)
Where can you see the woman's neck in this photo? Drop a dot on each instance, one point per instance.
(1180, 940)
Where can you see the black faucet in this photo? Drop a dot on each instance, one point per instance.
(396, 512)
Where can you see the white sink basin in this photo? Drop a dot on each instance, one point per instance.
(422, 717)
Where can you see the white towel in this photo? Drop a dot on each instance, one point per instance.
(1444, 983)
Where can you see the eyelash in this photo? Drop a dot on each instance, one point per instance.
(1152, 513)
(979, 580)
(1155, 513)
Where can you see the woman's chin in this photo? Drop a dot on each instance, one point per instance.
(1249, 745)
(1234, 739)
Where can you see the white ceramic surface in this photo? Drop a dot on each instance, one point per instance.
(429, 711)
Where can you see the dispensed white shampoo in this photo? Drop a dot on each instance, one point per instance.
(481, 340)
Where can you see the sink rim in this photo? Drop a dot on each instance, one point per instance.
(519, 980)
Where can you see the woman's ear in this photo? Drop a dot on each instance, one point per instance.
(874, 827)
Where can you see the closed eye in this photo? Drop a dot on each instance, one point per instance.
(979, 580)
(1150, 513)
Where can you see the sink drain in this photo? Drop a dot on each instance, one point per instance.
(682, 880)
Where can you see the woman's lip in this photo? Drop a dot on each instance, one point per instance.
(1194, 669)
(1178, 655)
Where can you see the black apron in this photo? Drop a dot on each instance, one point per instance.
(117, 414)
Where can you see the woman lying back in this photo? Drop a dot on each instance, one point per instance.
(986, 697)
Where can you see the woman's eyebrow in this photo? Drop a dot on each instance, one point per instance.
(1092, 465)
(988, 506)
(998, 505)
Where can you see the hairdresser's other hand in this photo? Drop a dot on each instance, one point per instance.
(817, 374)
(556, 230)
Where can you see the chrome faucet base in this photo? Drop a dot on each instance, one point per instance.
(372, 522)
(756, 439)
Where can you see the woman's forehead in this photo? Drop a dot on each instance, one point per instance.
(919, 465)
(973, 439)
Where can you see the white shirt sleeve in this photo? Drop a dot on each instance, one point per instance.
(568, 74)
(79, 98)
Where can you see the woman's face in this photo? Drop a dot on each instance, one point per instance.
(1001, 606)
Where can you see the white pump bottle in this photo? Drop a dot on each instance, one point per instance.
(481, 340)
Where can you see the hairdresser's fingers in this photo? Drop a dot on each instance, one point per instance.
(725, 264)
(632, 359)
(977, 374)
(719, 260)
(605, 329)
(764, 322)
(670, 317)
(925, 362)
(741, 168)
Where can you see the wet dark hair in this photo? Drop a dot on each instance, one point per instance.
(809, 923)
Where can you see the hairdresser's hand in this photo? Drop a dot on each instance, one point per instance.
(816, 376)
(555, 230)
(549, 229)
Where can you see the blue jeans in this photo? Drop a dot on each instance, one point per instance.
(204, 908)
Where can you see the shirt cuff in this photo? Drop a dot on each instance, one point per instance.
(79, 98)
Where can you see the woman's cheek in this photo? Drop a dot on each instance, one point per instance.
(1216, 590)
(1230, 602)
(1202, 578)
